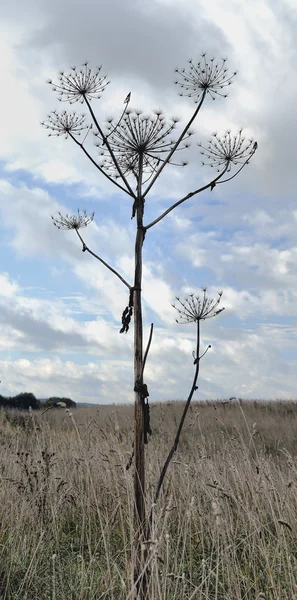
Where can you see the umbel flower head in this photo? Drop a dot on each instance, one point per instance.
(64, 123)
(206, 76)
(198, 308)
(223, 151)
(139, 142)
(79, 221)
(79, 84)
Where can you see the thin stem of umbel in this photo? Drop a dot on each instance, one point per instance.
(181, 423)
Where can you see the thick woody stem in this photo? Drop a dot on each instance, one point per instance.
(139, 452)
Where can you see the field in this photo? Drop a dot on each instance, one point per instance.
(224, 528)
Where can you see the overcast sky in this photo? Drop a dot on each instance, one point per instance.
(60, 310)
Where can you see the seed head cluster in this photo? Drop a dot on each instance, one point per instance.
(80, 84)
(227, 150)
(204, 77)
(79, 221)
(198, 308)
(139, 142)
(64, 123)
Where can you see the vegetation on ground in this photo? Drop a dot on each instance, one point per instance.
(224, 527)
(27, 400)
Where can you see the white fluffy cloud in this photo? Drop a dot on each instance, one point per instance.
(241, 237)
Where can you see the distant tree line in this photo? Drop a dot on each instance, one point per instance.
(26, 400)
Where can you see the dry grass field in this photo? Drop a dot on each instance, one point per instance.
(225, 526)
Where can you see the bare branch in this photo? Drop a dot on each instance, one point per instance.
(194, 310)
(242, 166)
(211, 185)
(179, 430)
(104, 139)
(87, 249)
(98, 166)
(147, 349)
(126, 102)
(172, 151)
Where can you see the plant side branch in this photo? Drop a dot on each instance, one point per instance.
(211, 185)
(87, 249)
(168, 157)
(105, 140)
(98, 166)
(179, 430)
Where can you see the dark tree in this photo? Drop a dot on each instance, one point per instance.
(25, 400)
(60, 402)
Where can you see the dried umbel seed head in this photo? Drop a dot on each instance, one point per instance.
(204, 77)
(64, 123)
(222, 152)
(79, 221)
(139, 142)
(198, 308)
(80, 84)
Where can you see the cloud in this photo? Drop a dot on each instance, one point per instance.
(7, 288)
(60, 336)
(54, 377)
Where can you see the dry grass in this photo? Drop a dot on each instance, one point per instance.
(224, 529)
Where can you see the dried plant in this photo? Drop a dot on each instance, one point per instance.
(80, 84)
(38, 482)
(79, 221)
(132, 150)
(204, 76)
(194, 309)
(64, 123)
(139, 137)
(222, 152)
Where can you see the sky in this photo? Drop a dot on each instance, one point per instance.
(60, 309)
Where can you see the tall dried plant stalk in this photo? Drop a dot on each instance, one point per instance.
(132, 150)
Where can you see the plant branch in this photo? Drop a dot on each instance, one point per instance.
(245, 163)
(172, 151)
(211, 185)
(118, 122)
(147, 350)
(105, 140)
(86, 249)
(98, 166)
(178, 433)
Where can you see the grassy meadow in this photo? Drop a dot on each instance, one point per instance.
(225, 526)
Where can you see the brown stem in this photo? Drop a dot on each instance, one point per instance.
(178, 433)
(147, 348)
(190, 195)
(166, 161)
(139, 474)
(104, 138)
(98, 166)
(139, 452)
(242, 166)
(86, 249)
